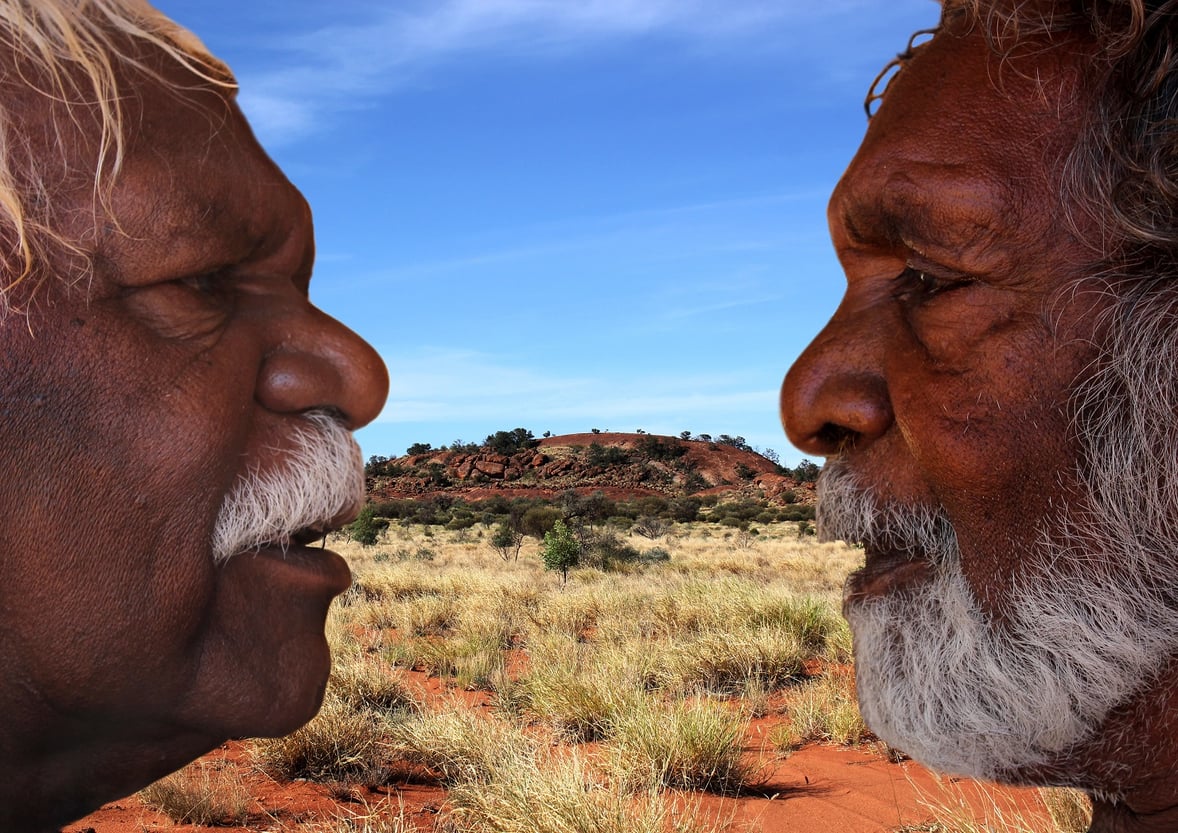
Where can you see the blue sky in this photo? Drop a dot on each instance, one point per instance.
(566, 214)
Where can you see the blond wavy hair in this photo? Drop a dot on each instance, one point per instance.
(71, 52)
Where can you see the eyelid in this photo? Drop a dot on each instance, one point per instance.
(921, 281)
(205, 282)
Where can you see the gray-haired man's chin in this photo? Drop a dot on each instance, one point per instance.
(939, 682)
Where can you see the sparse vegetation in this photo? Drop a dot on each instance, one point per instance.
(822, 711)
(507, 541)
(585, 707)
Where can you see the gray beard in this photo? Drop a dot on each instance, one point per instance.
(1091, 619)
(938, 680)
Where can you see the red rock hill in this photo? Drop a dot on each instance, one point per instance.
(620, 465)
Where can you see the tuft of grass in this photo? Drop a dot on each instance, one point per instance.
(1070, 810)
(500, 780)
(472, 661)
(580, 703)
(689, 745)
(460, 746)
(564, 795)
(363, 684)
(342, 743)
(379, 818)
(201, 793)
(724, 662)
(822, 711)
(968, 808)
(431, 615)
(838, 642)
(811, 620)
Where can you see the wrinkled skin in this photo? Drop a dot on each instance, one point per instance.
(953, 389)
(130, 406)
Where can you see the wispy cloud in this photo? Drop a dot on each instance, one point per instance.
(440, 384)
(350, 63)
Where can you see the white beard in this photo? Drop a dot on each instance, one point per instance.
(938, 680)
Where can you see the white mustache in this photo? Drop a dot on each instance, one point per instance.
(321, 479)
(848, 511)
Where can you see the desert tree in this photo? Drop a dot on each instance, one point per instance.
(507, 541)
(561, 550)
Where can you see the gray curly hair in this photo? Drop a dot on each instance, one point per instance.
(71, 51)
(1123, 171)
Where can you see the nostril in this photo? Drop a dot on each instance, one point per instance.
(831, 401)
(835, 437)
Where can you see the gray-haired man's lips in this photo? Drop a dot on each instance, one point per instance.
(886, 571)
(294, 568)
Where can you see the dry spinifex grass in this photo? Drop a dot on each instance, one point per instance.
(958, 807)
(204, 792)
(654, 664)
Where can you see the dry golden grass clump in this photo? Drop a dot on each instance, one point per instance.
(204, 792)
(347, 739)
(1070, 810)
(961, 807)
(822, 711)
(680, 744)
(576, 690)
(500, 779)
(341, 744)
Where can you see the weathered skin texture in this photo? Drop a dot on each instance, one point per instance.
(128, 407)
(952, 390)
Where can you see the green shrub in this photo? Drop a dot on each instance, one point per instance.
(806, 472)
(604, 456)
(367, 527)
(561, 550)
(507, 541)
(604, 550)
(685, 510)
(539, 520)
(657, 448)
(797, 512)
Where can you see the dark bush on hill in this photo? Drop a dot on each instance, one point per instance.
(735, 442)
(685, 509)
(657, 448)
(378, 466)
(805, 472)
(539, 520)
(512, 442)
(607, 455)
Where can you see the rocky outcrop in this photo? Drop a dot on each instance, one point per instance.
(621, 465)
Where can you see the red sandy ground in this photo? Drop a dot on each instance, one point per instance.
(817, 789)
